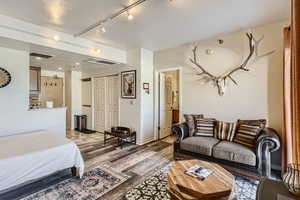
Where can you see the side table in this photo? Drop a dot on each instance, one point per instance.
(123, 134)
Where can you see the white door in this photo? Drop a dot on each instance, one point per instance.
(165, 121)
(112, 99)
(99, 102)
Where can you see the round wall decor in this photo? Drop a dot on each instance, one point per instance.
(5, 77)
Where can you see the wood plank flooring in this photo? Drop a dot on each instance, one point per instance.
(139, 162)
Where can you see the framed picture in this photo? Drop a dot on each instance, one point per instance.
(128, 84)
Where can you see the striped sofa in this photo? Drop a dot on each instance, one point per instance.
(231, 149)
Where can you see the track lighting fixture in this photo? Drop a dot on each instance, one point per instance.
(112, 17)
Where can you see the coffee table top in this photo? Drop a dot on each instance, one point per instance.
(218, 184)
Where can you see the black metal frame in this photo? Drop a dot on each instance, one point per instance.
(123, 135)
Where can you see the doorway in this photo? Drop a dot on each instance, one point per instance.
(168, 111)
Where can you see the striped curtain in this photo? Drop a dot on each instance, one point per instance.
(291, 139)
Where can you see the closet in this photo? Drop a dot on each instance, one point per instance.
(106, 102)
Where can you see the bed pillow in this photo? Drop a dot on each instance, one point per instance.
(205, 127)
(225, 130)
(247, 134)
(190, 120)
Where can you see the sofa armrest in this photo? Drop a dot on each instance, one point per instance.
(181, 131)
(267, 142)
(269, 138)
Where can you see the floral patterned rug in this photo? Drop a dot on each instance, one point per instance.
(93, 185)
(154, 188)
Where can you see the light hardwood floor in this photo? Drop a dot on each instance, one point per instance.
(137, 161)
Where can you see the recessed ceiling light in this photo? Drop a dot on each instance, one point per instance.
(59, 68)
(56, 37)
(77, 63)
(130, 16)
(38, 58)
(98, 51)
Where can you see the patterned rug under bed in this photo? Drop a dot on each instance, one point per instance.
(91, 186)
(154, 188)
(103, 179)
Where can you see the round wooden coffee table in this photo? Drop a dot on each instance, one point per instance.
(181, 186)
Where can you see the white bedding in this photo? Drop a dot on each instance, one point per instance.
(31, 156)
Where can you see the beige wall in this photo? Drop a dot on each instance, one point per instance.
(259, 93)
(15, 115)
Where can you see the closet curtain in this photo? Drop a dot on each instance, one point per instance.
(291, 137)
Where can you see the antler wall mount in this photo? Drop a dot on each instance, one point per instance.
(220, 81)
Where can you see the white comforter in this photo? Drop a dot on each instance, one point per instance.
(31, 156)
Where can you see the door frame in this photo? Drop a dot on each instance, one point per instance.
(157, 96)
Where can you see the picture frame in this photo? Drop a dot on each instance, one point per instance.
(128, 84)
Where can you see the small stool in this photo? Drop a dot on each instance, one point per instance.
(124, 135)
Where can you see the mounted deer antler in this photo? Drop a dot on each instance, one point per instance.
(220, 81)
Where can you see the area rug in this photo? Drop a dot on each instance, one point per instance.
(93, 185)
(154, 188)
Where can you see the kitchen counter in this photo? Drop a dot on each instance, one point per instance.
(38, 109)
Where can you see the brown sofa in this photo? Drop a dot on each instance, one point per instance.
(228, 153)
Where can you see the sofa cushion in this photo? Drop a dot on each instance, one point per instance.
(225, 131)
(190, 120)
(198, 144)
(247, 135)
(204, 127)
(234, 152)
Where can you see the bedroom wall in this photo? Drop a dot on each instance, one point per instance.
(73, 93)
(15, 117)
(259, 93)
(136, 113)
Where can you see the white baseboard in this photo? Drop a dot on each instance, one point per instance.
(146, 141)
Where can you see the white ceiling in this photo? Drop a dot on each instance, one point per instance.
(158, 24)
(67, 61)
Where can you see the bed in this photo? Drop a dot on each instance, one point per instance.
(31, 156)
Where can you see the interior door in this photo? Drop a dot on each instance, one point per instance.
(165, 112)
(99, 101)
(112, 99)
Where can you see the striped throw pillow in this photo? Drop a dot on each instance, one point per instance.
(191, 122)
(225, 131)
(204, 127)
(247, 134)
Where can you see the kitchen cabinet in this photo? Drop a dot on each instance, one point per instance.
(35, 79)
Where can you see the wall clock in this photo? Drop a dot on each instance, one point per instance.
(5, 78)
